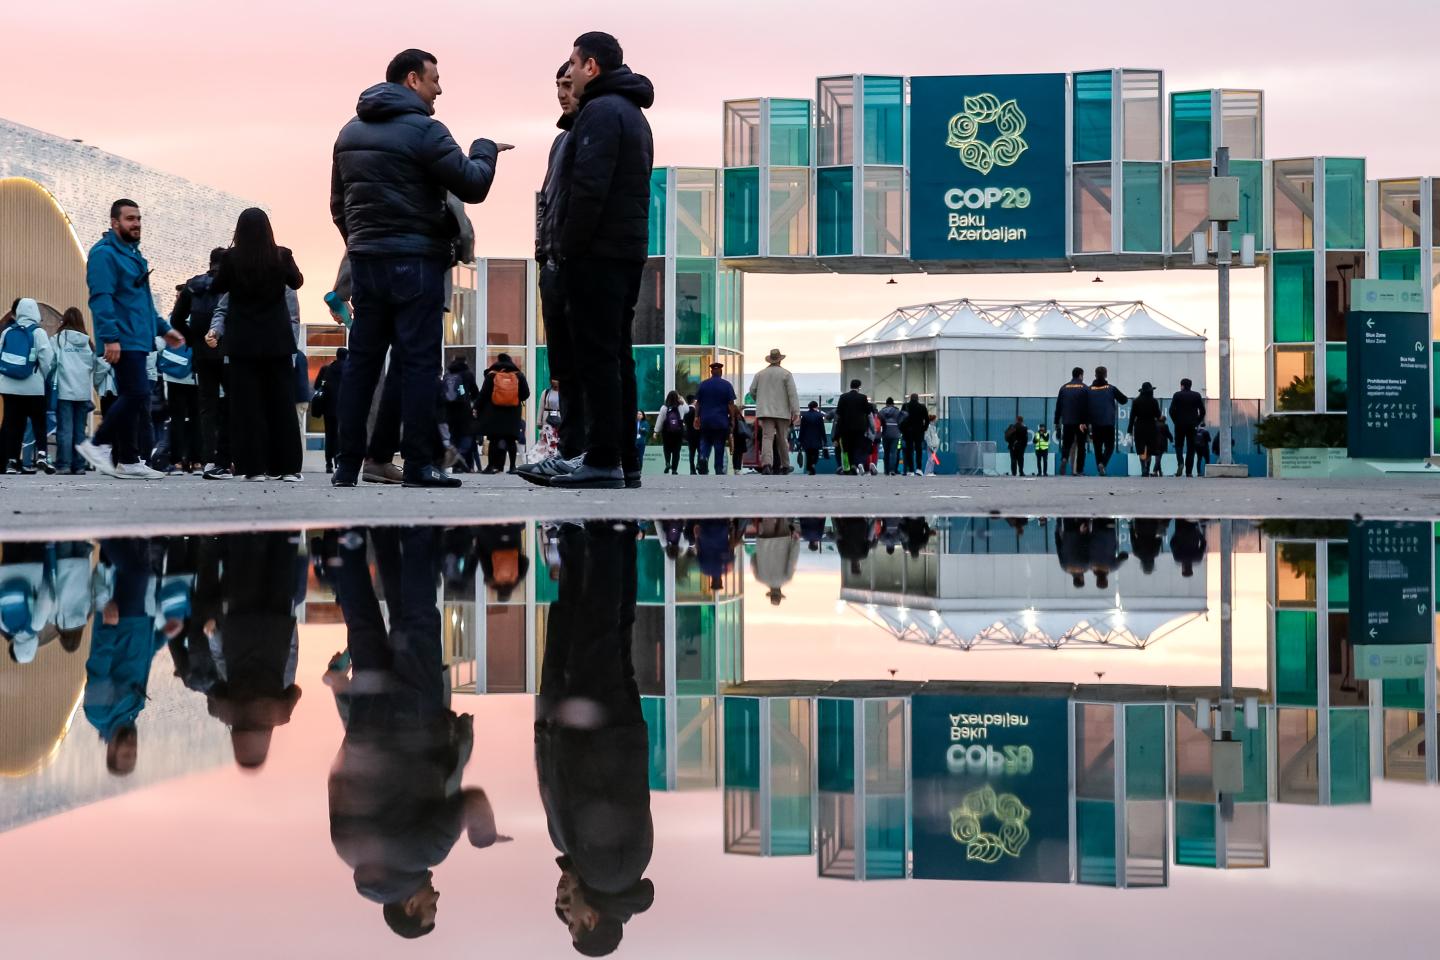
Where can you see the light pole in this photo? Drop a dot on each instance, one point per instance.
(1224, 209)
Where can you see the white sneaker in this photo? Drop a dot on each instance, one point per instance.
(293, 478)
(251, 477)
(137, 471)
(98, 455)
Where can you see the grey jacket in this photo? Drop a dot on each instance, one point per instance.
(77, 365)
(27, 314)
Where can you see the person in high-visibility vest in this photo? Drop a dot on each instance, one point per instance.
(1042, 450)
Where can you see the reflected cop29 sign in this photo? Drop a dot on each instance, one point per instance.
(992, 787)
(987, 167)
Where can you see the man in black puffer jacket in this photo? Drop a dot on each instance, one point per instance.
(393, 164)
(604, 240)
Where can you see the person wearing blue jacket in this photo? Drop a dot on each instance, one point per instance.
(1072, 414)
(1104, 399)
(121, 650)
(29, 357)
(126, 325)
(812, 435)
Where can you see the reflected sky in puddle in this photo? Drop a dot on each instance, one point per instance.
(676, 736)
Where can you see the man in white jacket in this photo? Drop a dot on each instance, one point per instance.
(26, 360)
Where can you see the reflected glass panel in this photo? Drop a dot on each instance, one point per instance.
(1340, 269)
(790, 133)
(884, 120)
(1140, 92)
(1399, 213)
(1144, 211)
(1295, 379)
(1244, 123)
(789, 212)
(742, 212)
(505, 295)
(1092, 214)
(1344, 203)
(835, 120)
(1293, 299)
(1093, 98)
(884, 213)
(1189, 203)
(1294, 189)
(835, 211)
(695, 301)
(695, 214)
(742, 133)
(649, 326)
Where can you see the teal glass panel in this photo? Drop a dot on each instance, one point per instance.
(1337, 588)
(653, 709)
(835, 212)
(1195, 834)
(790, 133)
(650, 571)
(791, 795)
(694, 759)
(1095, 834)
(790, 834)
(1435, 392)
(1145, 752)
(1337, 378)
(1251, 174)
(742, 742)
(1403, 694)
(1400, 265)
(884, 120)
(1093, 97)
(885, 822)
(542, 383)
(1143, 208)
(695, 650)
(1190, 125)
(695, 302)
(835, 751)
(650, 377)
(1293, 304)
(1344, 204)
(1295, 680)
(1349, 756)
(742, 212)
(1255, 764)
(658, 180)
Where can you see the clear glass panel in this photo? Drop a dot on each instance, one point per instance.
(695, 301)
(1293, 307)
(516, 354)
(1095, 751)
(742, 212)
(659, 179)
(695, 192)
(1093, 97)
(1092, 208)
(836, 121)
(1344, 204)
(1295, 379)
(1144, 227)
(1337, 387)
(1340, 269)
(1190, 125)
(649, 325)
(884, 120)
(790, 133)
(1294, 204)
(789, 212)
(1189, 203)
(650, 377)
(1140, 93)
(1243, 123)
(505, 296)
(742, 133)
(1295, 575)
(884, 212)
(835, 212)
(1399, 213)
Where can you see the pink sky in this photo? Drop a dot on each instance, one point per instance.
(250, 102)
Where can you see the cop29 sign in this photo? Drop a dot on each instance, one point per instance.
(987, 167)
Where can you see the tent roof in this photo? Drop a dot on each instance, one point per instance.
(1029, 320)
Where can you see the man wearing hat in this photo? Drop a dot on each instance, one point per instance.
(715, 414)
(777, 407)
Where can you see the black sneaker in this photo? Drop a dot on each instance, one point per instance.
(430, 476)
(632, 479)
(44, 464)
(344, 477)
(587, 477)
(547, 470)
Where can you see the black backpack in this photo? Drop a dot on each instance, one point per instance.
(673, 423)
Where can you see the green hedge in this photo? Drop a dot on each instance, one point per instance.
(1293, 431)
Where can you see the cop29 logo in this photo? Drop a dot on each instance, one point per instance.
(983, 155)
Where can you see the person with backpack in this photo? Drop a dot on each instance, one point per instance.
(176, 369)
(915, 418)
(27, 598)
(890, 434)
(1187, 412)
(27, 359)
(1204, 444)
(460, 396)
(692, 430)
(194, 309)
(812, 435)
(1102, 405)
(324, 393)
(670, 428)
(1017, 437)
(77, 369)
(501, 403)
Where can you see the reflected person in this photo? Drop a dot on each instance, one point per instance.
(121, 649)
(396, 803)
(591, 741)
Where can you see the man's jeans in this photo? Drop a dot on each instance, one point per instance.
(603, 291)
(713, 438)
(399, 303)
(129, 415)
(564, 363)
(71, 420)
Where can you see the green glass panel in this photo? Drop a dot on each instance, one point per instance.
(1295, 680)
(742, 212)
(1195, 834)
(1145, 752)
(1255, 765)
(650, 571)
(1190, 124)
(650, 377)
(658, 181)
(835, 212)
(1406, 694)
(695, 302)
(1400, 265)
(790, 133)
(885, 823)
(1337, 588)
(1143, 208)
(790, 834)
(1293, 307)
(653, 709)
(1344, 204)
(742, 742)
(1349, 756)
(1095, 831)
(542, 383)
(1337, 378)
(695, 630)
(1094, 93)
(884, 120)
(1435, 392)
(835, 750)
(1251, 174)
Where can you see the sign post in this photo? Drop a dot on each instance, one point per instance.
(1388, 366)
(1391, 601)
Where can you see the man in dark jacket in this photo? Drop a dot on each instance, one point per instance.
(1103, 398)
(812, 435)
(852, 426)
(1072, 413)
(194, 309)
(1187, 409)
(1017, 436)
(501, 419)
(604, 240)
(393, 164)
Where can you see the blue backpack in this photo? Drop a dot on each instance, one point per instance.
(174, 362)
(17, 598)
(17, 351)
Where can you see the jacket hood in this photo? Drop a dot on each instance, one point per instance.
(624, 82)
(457, 365)
(74, 336)
(566, 121)
(27, 312)
(385, 101)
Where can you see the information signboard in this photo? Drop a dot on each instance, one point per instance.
(1388, 372)
(1391, 583)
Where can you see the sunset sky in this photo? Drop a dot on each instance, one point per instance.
(250, 101)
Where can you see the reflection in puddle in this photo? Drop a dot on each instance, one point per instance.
(964, 699)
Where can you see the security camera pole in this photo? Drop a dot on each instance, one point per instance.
(1224, 209)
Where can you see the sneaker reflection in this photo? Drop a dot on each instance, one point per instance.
(590, 739)
(396, 802)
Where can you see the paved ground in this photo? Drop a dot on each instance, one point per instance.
(39, 506)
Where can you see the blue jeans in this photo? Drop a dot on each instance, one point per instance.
(129, 416)
(70, 417)
(713, 438)
(399, 306)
